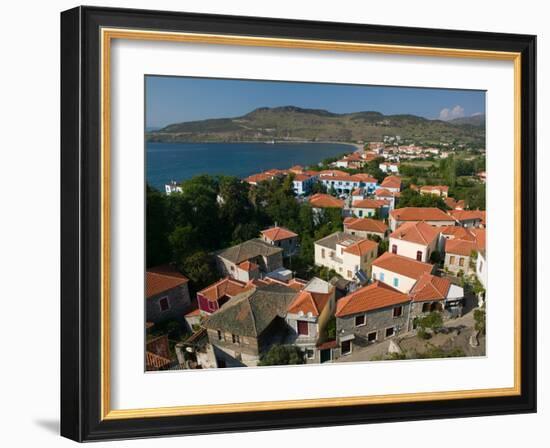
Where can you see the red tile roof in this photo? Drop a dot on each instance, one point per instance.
(364, 177)
(384, 193)
(375, 296)
(321, 200)
(309, 302)
(430, 287)
(391, 182)
(362, 247)
(248, 266)
(463, 215)
(162, 278)
(420, 214)
(460, 247)
(331, 173)
(301, 177)
(457, 232)
(278, 233)
(402, 265)
(369, 203)
(226, 287)
(155, 362)
(416, 232)
(430, 188)
(256, 178)
(455, 204)
(365, 224)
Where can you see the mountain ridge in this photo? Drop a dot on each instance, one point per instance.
(293, 123)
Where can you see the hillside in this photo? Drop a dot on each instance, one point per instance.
(294, 123)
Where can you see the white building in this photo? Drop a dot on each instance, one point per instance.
(401, 273)
(172, 187)
(415, 240)
(351, 256)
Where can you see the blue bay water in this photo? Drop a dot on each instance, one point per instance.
(181, 161)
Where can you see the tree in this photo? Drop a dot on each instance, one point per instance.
(157, 228)
(432, 321)
(479, 317)
(412, 198)
(183, 242)
(199, 268)
(282, 355)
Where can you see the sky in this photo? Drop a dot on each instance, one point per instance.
(177, 99)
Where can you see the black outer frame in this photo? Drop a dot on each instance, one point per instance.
(80, 224)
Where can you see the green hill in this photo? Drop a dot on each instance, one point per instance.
(291, 123)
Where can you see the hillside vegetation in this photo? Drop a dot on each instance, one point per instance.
(292, 123)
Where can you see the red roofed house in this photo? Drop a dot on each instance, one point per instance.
(458, 254)
(157, 354)
(365, 227)
(281, 237)
(166, 293)
(468, 218)
(213, 297)
(351, 256)
(431, 293)
(308, 315)
(437, 190)
(455, 204)
(373, 313)
(302, 183)
(367, 208)
(386, 195)
(416, 240)
(392, 183)
(320, 201)
(399, 272)
(431, 215)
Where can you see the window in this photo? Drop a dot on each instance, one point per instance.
(310, 353)
(394, 248)
(360, 213)
(461, 262)
(303, 328)
(395, 282)
(481, 266)
(232, 268)
(371, 337)
(322, 253)
(340, 269)
(212, 306)
(390, 332)
(374, 275)
(452, 260)
(398, 311)
(350, 274)
(236, 339)
(220, 335)
(341, 251)
(346, 347)
(360, 320)
(425, 307)
(381, 276)
(418, 255)
(164, 304)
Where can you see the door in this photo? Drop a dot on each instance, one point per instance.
(326, 355)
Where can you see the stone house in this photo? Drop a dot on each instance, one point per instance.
(281, 237)
(308, 315)
(249, 260)
(370, 314)
(166, 294)
(399, 272)
(416, 240)
(249, 325)
(458, 255)
(431, 293)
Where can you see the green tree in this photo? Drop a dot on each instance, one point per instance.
(199, 268)
(479, 317)
(412, 198)
(282, 355)
(433, 321)
(156, 228)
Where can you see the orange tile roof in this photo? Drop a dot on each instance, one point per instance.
(430, 287)
(362, 247)
(384, 193)
(296, 169)
(301, 177)
(442, 188)
(331, 173)
(391, 182)
(480, 237)
(248, 266)
(416, 232)
(402, 265)
(364, 177)
(225, 287)
(365, 224)
(154, 361)
(420, 214)
(460, 247)
(162, 278)
(321, 200)
(463, 215)
(255, 178)
(370, 203)
(309, 302)
(455, 204)
(372, 297)
(278, 233)
(457, 232)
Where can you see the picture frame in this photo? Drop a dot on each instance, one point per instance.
(86, 37)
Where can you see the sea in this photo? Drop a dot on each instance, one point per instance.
(180, 161)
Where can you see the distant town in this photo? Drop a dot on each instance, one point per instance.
(379, 254)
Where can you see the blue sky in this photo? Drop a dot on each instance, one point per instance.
(177, 99)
